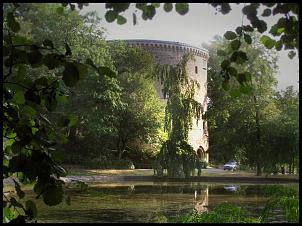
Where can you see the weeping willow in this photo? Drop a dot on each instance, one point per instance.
(176, 155)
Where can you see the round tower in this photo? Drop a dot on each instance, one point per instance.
(167, 52)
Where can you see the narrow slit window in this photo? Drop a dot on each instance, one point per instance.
(196, 70)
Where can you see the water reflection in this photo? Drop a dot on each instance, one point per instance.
(149, 201)
(231, 188)
(202, 200)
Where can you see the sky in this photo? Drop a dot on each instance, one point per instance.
(198, 26)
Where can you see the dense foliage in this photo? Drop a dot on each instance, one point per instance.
(251, 128)
(176, 155)
(36, 75)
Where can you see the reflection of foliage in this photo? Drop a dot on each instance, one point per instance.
(286, 197)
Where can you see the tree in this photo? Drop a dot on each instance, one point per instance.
(141, 118)
(236, 120)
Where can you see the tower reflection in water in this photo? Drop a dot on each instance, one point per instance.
(201, 199)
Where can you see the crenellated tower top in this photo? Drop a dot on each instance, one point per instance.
(169, 45)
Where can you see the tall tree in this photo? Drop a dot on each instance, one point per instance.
(141, 118)
(236, 120)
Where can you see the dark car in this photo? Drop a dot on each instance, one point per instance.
(231, 165)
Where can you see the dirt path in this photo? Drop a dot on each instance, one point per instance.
(208, 175)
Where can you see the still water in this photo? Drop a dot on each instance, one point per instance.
(144, 202)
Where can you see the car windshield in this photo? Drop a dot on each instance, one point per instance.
(231, 162)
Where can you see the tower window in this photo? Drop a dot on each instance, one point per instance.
(196, 70)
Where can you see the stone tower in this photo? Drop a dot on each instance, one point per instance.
(166, 52)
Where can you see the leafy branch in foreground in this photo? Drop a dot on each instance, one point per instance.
(30, 138)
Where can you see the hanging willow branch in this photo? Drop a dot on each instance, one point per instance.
(176, 155)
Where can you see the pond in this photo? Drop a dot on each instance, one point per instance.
(144, 202)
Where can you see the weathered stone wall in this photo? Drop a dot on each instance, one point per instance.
(166, 52)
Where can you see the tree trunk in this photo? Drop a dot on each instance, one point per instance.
(120, 147)
(258, 169)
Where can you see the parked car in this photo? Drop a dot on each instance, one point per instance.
(231, 165)
(231, 188)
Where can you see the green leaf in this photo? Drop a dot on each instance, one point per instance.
(248, 28)
(16, 147)
(70, 75)
(53, 195)
(249, 10)
(241, 57)
(235, 44)
(148, 12)
(291, 54)
(221, 52)
(239, 30)
(48, 42)
(230, 35)
(182, 8)
(107, 71)
(247, 39)
(110, 16)
(121, 20)
(260, 25)
(235, 93)
(72, 120)
(31, 208)
(60, 10)
(267, 41)
(278, 45)
(234, 56)
(168, 7)
(267, 12)
(225, 64)
(19, 98)
(225, 8)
